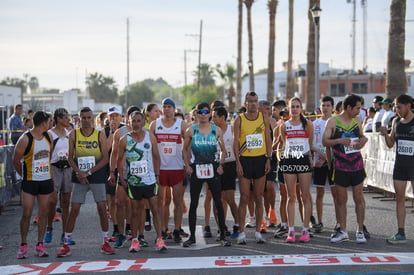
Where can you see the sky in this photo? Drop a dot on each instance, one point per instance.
(60, 42)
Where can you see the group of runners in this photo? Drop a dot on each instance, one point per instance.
(141, 166)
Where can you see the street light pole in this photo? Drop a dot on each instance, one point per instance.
(316, 12)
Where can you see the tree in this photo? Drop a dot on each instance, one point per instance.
(290, 84)
(396, 77)
(15, 81)
(249, 4)
(239, 54)
(206, 75)
(272, 6)
(162, 89)
(137, 95)
(228, 76)
(101, 88)
(310, 66)
(193, 96)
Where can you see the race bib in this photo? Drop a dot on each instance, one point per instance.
(254, 141)
(62, 155)
(138, 168)
(352, 147)
(204, 171)
(169, 148)
(297, 147)
(405, 147)
(86, 163)
(41, 167)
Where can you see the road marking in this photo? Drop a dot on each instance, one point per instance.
(355, 259)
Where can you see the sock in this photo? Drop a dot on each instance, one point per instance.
(136, 239)
(305, 228)
(291, 228)
(401, 231)
(283, 224)
(105, 236)
(127, 227)
(116, 228)
(67, 237)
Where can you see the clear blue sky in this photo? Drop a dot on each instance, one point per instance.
(60, 41)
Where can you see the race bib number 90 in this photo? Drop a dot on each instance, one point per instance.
(86, 163)
(405, 147)
(138, 168)
(204, 171)
(254, 141)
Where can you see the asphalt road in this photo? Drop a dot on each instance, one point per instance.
(208, 257)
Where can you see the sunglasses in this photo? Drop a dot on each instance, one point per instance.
(203, 112)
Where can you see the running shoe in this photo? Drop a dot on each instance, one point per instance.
(120, 241)
(142, 241)
(134, 246)
(107, 249)
(319, 228)
(225, 242)
(291, 238)
(242, 238)
(281, 232)
(70, 241)
(207, 232)
(183, 234)
(336, 229)
(169, 234)
(160, 244)
(258, 237)
(360, 237)
(305, 236)
(128, 234)
(263, 227)
(40, 250)
(189, 242)
(227, 232)
(56, 218)
(397, 239)
(36, 219)
(312, 221)
(176, 235)
(251, 223)
(235, 233)
(272, 218)
(48, 235)
(64, 251)
(148, 226)
(114, 237)
(339, 236)
(366, 233)
(185, 210)
(22, 252)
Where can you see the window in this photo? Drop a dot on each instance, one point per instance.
(360, 87)
(338, 89)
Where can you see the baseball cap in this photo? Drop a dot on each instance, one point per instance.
(168, 101)
(387, 101)
(114, 110)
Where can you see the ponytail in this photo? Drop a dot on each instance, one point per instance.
(303, 120)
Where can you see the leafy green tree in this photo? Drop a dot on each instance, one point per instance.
(162, 89)
(193, 97)
(101, 88)
(228, 75)
(137, 94)
(206, 75)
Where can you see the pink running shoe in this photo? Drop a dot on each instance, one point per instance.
(160, 245)
(22, 252)
(134, 246)
(40, 251)
(107, 249)
(64, 251)
(305, 236)
(291, 237)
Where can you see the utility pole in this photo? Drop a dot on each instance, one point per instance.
(127, 79)
(353, 34)
(200, 35)
(364, 35)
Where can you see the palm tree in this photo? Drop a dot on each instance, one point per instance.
(206, 75)
(310, 66)
(396, 78)
(272, 6)
(228, 76)
(239, 54)
(249, 4)
(290, 84)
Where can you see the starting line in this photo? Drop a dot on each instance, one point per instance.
(365, 259)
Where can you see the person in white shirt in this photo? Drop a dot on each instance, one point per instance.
(388, 112)
(377, 104)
